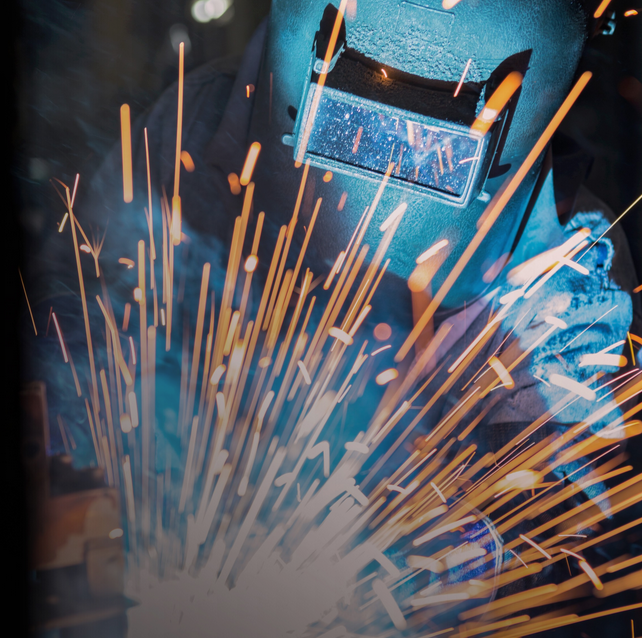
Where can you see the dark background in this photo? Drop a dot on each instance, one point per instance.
(73, 63)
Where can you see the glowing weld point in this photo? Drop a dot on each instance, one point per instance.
(251, 263)
(250, 163)
(572, 386)
(501, 372)
(304, 372)
(342, 336)
(535, 545)
(397, 212)
(386, 376)
(116, 533)
(433, 250)
(85, 248)
(601, 359)
(126, 262)
(217, 374)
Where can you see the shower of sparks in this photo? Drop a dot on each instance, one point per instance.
(266, 508)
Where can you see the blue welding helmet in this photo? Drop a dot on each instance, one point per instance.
(393, 93)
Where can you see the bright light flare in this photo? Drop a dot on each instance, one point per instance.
(250, 163)
(251, 263)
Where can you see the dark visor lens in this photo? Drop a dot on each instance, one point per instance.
(351, 130)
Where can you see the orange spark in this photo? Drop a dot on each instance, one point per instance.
(132, 349)
(357, 139)
(328, 176)
(28, 304)
(497, 102)
(62, 343)
(630, 12)
(125, 261)
(433, 250)
(188, 162)
(235, 186)
(463, 75)
(535, 545)
(250, 163)
(342, 203)
(386, 376)
(591, 574)
(128, 309)
(501, 372)
(126, 144)
(602, 8)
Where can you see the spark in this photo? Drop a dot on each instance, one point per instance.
(63, 222)
(463, 75)
(601, 8)
(601, 359)
(443, 530)
(438, 491)
(341, 335)
(573, 386)
(449, 4)
(628, 14)
(546, 383)
(62, 343)
(433, 250)
(497, 102)
(396, 213)
(495, 209)
(250, 163)
(327, 177)
(584, 566)
(217, 374)
(126, 144)
(588, 328)
(378, 350)
(501, 372)
(132, 349)
(386, 376)
(235, 185)
(518, 558)
(535, 545)
(126, 262)
(176, 224)
(439, 599)
(188, 162)
(304, 372)
(28, 304)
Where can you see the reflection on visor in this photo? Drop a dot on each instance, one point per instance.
(437, 155)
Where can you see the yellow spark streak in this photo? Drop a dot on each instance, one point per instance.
(321, 82)
(250, 163)
(535, 545)
(627, 14)
(438, 491)
(114, 333)
(152, 245)
(624, 564)
(62, 343)
(176, 200)
(362, 315)
(584, 566)
(497, 102)
(433, 250)
(602, 8)
(396, 213)
(495, 209)
(463, 75)
(501, 372)
(231, 332)
(126, 145)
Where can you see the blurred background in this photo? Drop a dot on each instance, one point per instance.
(76, 61)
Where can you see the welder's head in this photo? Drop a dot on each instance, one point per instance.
(454, 98)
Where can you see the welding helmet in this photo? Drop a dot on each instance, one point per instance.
(411, 83)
